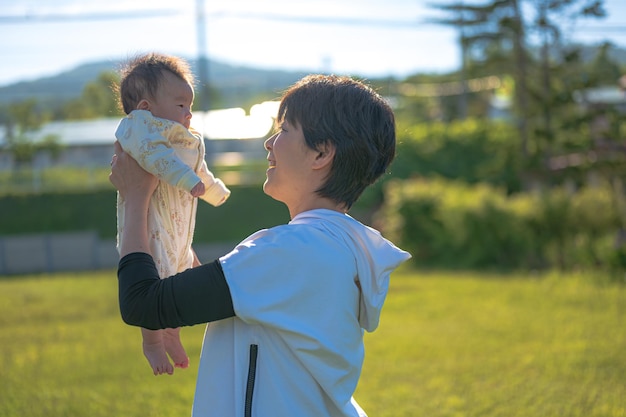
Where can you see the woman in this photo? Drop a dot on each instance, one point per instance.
(287, 306)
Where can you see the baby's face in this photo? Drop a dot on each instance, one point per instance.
(173, 100)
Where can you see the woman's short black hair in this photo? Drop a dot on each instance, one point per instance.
(354, 119)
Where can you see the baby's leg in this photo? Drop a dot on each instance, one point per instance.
(154, 351)
(174, 347)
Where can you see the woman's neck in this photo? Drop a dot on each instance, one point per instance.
(314, 204)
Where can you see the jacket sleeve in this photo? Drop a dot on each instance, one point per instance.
(197, 295)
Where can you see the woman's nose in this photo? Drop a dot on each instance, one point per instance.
(269, 142)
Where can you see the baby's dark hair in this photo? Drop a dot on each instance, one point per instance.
(142, 75)
(353, 118)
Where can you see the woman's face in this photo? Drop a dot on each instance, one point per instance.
(289, 178)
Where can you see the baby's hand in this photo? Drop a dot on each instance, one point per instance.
(198, 189)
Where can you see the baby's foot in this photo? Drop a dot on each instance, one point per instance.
(155, 353)
(174, 348)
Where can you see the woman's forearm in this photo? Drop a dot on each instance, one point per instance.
(134, 236)
(197, 295)
(135, 187)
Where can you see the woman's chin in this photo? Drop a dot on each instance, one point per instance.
(267, 189)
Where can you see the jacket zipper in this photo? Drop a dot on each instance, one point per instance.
(254, 351)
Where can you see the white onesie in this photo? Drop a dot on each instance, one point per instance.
(175, 155)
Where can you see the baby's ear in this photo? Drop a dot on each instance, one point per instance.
(143, 105)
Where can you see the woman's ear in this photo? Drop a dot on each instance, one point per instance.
(143, 105)
(325, 156)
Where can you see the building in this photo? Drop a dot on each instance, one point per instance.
(230, 135)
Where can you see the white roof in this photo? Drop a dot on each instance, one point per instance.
(603, 95)
(216, 124)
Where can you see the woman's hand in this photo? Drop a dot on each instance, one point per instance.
(129, 178)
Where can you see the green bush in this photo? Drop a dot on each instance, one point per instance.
(448, 223)
(470, 150)
(59, 212)
(452, 224)
(247, 210)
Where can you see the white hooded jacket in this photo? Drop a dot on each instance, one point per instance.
(295, 347)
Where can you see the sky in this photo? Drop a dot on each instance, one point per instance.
(370, 38)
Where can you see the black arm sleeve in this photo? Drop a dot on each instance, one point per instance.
(197, 295)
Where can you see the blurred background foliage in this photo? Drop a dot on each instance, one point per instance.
(511, 162)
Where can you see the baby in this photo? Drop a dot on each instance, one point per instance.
(156, 93)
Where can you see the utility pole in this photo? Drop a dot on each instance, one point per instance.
(462, 99)
(203, 60)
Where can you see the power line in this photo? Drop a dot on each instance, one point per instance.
(138, 14)
(611, 28)
(61, 17)
(344, 21)
(453, 88)
(390, 23)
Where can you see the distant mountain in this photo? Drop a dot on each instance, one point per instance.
(235, 84)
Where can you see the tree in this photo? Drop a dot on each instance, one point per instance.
(98, 99)
(548, 14)
(497, 29)
(493, 35)
(602, 69)
(24, 118)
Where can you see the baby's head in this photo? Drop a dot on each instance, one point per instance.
(162, 84)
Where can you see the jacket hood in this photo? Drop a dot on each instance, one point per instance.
(375, 257)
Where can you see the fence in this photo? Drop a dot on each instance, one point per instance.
(76, 251)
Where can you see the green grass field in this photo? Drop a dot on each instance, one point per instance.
(448, 345)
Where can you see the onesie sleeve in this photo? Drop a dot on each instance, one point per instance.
(216, 191)
(197, 295)
(145, 138)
